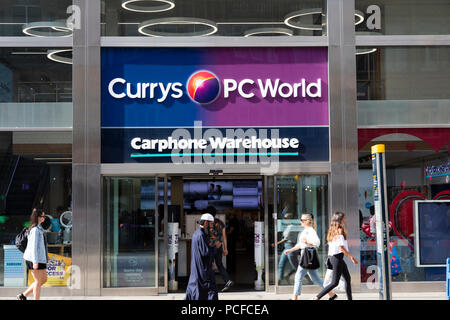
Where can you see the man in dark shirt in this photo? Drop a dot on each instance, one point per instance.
(202, 282)
(218, 239)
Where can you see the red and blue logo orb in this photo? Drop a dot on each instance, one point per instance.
(203, 87)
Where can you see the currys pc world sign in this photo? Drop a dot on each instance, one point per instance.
(153, 93)
(204, 87)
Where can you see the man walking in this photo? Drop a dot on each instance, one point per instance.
(202, 282)
(218, 240)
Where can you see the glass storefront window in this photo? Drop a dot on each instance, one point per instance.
(34, 18)
(403, 17)
(35, 88)
(409, 152)
(35, 172)
(129, 232)
(35, 164)
(298, 194)
(218, 18)
(403, 86)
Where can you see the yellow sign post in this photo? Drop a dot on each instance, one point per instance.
(381, 218)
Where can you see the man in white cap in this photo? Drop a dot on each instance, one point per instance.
(202, 282)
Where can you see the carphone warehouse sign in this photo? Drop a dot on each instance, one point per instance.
(159, 103)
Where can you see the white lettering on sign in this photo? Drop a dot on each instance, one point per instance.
(374, 20)
(119, 88)
(138, 143)
(160, 91)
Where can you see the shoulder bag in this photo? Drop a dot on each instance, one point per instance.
(309, 258)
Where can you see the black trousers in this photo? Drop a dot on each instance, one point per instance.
(218, 261)
(339, 269)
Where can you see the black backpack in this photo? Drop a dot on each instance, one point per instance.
(309, 259)
(22, 240)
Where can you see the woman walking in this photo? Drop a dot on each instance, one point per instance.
(338, 247)
(36, 255)
(307, 238)
(288, 241)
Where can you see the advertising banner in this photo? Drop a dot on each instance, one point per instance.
(135, 270)
(259, 254)
(14, 266)
(58, 273)
(173, 247)
(158, 103)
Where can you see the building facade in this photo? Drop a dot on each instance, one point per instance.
(92, 92)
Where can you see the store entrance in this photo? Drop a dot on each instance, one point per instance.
(238, 203)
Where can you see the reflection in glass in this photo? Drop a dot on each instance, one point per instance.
(35, 172)
(297, 195)
(407, 158)
(129, 237)
(404, 17)
(35, 92)
(38, 18)
(403, 86)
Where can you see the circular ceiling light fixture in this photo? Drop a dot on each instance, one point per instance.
(163, 5)
(54, 55)
(360, 16)
(316, 27)
(301, 13)
(360, 51)
(268, 31)
(143, 27)
(53, 29)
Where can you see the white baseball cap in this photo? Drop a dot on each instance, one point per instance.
(207, 217)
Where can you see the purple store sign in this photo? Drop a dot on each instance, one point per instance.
(146, 91)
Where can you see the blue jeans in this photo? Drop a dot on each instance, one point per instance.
(284, 258)
(300, 274)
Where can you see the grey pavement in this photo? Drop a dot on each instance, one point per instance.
(252, 295)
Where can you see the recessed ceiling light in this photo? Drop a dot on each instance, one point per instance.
(163, 5)
(360, 51)
(306, 12)
(268, 31)
(177, 21)
(54, 55)
(54, 29)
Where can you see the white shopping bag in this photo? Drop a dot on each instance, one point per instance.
(327, 281)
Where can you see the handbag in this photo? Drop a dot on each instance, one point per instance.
(309, 259)
(328, 263)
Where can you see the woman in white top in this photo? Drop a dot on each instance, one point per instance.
(338, 247)
(307, 238)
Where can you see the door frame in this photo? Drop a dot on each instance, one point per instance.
(310, 169)
(274, 215)
(127, 291)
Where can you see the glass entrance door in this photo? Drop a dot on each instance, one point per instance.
(292, 196)
(130, 234)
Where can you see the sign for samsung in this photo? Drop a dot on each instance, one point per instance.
(204, 87)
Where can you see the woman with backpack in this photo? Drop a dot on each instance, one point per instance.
(307, 238)
(36, 255)
(338, 247)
